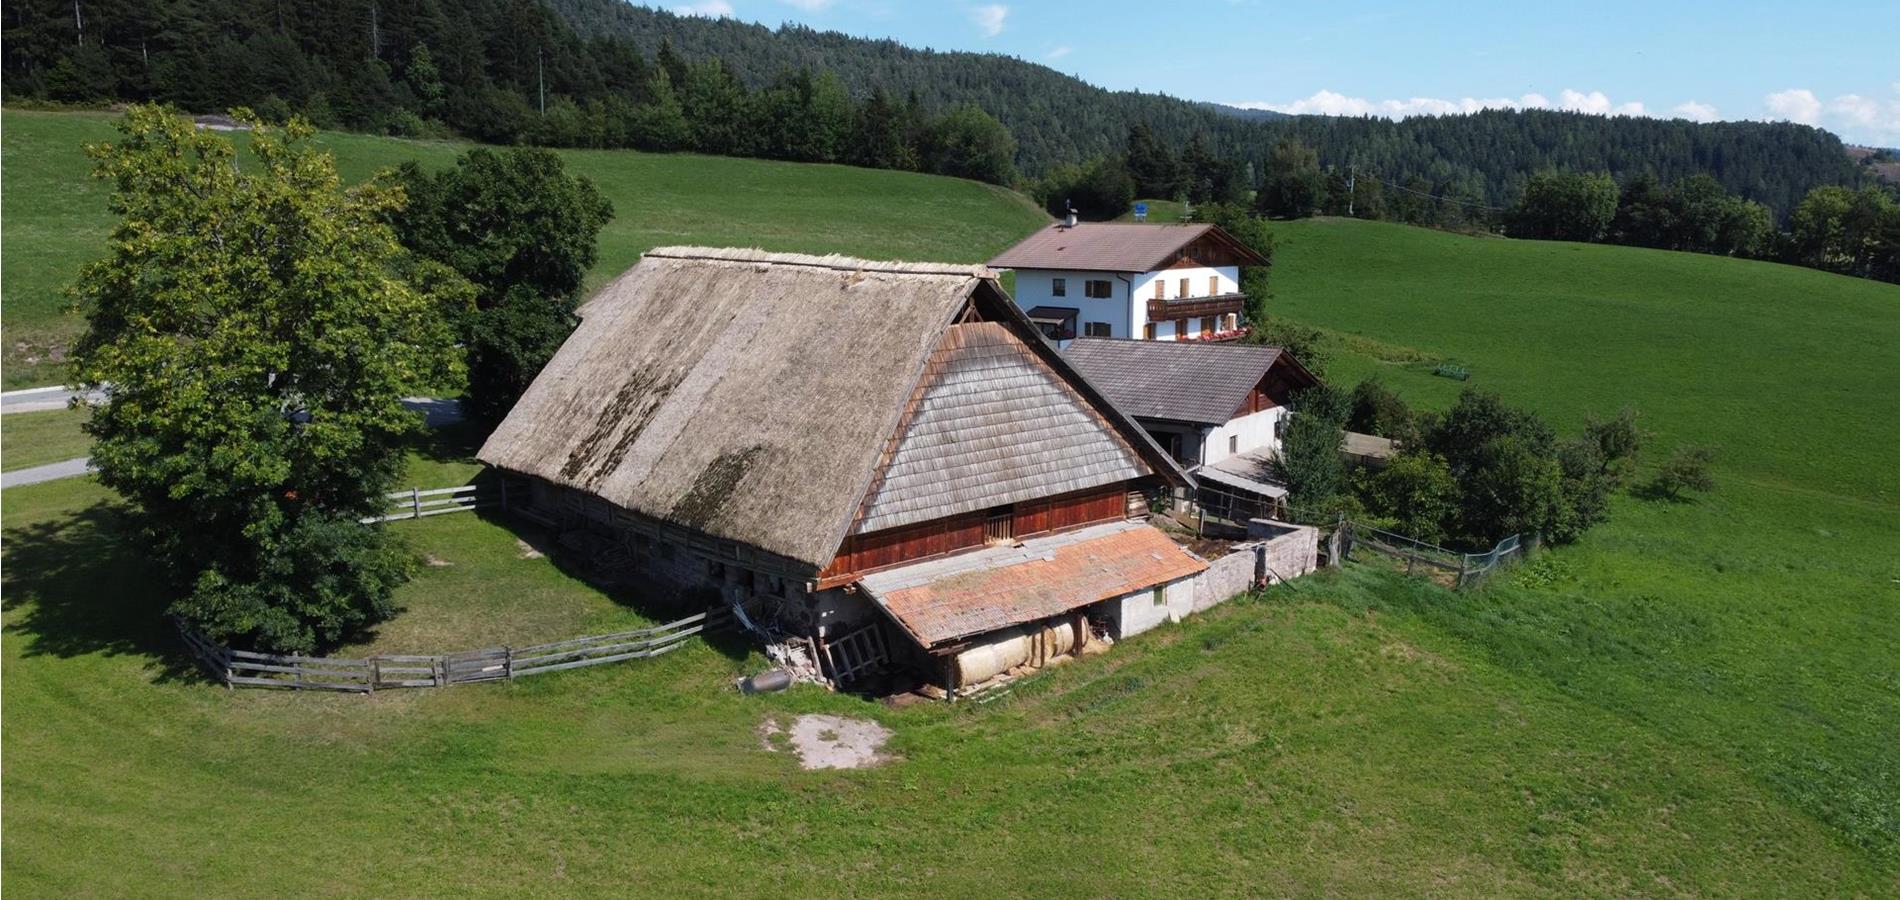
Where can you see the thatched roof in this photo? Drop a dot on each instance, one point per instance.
(748, 395)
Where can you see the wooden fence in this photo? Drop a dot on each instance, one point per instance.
(418, 503)
(244, 668)
(1450, 567)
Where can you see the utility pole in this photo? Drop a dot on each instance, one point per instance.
(375, 35)
(1352, 192)
(79, 24)
(541, 76)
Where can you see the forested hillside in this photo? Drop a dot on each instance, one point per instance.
(593, 73)
(1056, 118)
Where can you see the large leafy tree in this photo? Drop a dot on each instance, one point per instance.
(1564, 206)
(1294, 185)
(254, 332)
(523, 231)
(1308, 462)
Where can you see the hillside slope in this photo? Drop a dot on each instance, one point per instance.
(56, 216)
(1755, 623)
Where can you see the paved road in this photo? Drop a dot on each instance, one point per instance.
(71, 468)
(436, 412)
(37, 399)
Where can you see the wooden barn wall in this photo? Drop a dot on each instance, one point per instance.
(881, 549)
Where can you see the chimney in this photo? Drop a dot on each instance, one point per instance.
(1068, 221)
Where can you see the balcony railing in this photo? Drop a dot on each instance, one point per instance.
(1195, 307)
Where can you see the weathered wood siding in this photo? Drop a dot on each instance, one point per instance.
(895, 546)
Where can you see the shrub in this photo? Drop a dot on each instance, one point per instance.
(1585, 491)
(1686, 470)
(1416, 492)
(1618, 441)
(1377, 410)
(1309, 463)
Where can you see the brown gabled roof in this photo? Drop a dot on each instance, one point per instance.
(757, 397)
(1113, 246)
(1181, 381)
(942, 600)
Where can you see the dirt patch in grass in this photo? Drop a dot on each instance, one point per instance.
(829, 742)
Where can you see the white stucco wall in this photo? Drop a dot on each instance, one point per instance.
(1036, 287)
(1135, 613)
(1254, 430)
(1144, 290)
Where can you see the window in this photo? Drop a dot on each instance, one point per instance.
(1098, 329)
(999, 524)
(1148, 332)
(1097, 289)
(1233, 322)
(1161, 595)
(1185, 290)
(1161, 289)
(1213, 285)
(1207, 325)
(1059, 287)
(1233, 444)
(1180, 329)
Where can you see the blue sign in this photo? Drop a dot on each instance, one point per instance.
(1141, 210)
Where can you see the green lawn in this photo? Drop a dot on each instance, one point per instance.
(1757, 625)
(38, 438)
(56, 216)
(1293, 743)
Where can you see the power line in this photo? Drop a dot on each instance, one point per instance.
(1439, 198)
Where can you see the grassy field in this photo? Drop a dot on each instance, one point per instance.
(38, 438)
(56, 216)
(1756, 625)
(1699, 698)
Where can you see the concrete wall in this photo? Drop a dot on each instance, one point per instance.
(1291, 551)
(1135, 613)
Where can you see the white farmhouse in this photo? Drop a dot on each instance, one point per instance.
(1130, 280)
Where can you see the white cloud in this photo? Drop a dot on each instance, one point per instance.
(711, 9)
(989, 18)
(1868, 119)
(1330, 103)
(1695, 111)
(810, 5)
(1059, 52)
(1795, 105)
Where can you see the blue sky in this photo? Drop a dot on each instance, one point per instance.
(1836, 65)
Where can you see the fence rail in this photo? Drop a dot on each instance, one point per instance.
(418, 503)
(244, 668)
(1461, 570)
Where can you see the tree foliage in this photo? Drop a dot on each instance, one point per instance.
(257, 336)
(1377, 410)
(523, 231)
(1564, 206)
(1309, 463)
(1293, 187)
(1417, 492)
(1687, 469)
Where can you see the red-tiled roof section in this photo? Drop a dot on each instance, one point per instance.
(1112, 247)
(954, 598)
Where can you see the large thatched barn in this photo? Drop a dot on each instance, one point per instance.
(883, 464)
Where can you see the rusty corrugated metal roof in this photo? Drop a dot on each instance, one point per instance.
(943, 600)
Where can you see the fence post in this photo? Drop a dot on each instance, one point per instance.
(375, 673)
(415, 501)
(508, 661)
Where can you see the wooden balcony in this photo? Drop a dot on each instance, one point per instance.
(1195, 307)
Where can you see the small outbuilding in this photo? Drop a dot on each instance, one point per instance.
(881, 466)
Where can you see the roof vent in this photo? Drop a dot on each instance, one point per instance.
(1068, 221)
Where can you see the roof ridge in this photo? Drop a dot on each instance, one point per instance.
(834, 261)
